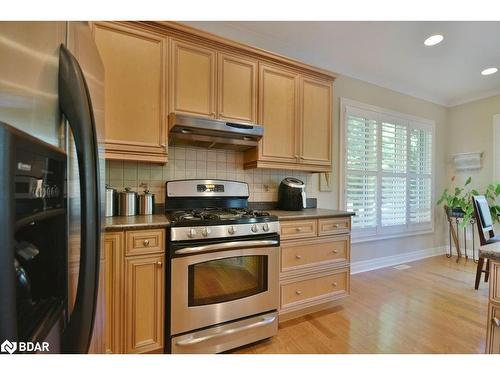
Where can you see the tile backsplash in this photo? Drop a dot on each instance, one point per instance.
(200, 163)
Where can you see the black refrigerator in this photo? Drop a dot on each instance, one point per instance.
(52, 180)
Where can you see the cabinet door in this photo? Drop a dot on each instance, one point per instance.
(278, 94)
(237, 90)
(192, 79)
(316, 121)
(113, 259)
(134, 64)
(144, 301)
(493, 331)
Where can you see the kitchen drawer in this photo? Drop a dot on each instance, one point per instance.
(301, 254)
(298, 229)
(334, 225)
(495, 281)
(493, 334)
(314, 288)
(138, 242)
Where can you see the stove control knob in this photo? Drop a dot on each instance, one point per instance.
(205, 232)
(191, 233)
(255, 228)
(265, 227)
(231, 230)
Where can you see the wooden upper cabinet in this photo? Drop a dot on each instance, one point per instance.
(278, 98)
(134, 63)
(192, 88)
(237, 88)
(144, 303)
(315, 121)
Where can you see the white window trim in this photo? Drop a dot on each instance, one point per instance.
(370, 235)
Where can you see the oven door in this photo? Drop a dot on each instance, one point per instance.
(219, 282)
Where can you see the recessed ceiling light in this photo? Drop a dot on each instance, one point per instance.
(488, 71)
(433, 40)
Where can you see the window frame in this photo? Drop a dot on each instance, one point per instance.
(348, 106)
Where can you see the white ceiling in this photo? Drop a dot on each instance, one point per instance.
(388, 54)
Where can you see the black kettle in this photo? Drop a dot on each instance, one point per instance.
(291, 194)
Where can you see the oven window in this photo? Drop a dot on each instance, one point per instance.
(227, 279)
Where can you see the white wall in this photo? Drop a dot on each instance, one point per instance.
(471, 129)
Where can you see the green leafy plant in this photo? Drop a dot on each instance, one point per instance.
(459, 201)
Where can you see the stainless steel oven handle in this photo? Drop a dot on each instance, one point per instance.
(226, 246)
(193, 341)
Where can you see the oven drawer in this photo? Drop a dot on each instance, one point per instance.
(138, 242)
(298, 229)
(335, 225)
(301, 254)
(314, 288)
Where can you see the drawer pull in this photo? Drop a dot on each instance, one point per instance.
(335, 251)
(334, 284)
(298, 256)
(298, 292)
(159, 264)
(496, 321)
(298, 229)
(146, 243)
(336, 225)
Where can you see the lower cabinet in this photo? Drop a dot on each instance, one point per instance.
(135, 296)
(144, 301)
(493, 327)
(315, 265)
(493, 341)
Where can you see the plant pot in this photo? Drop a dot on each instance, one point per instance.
(456, 212)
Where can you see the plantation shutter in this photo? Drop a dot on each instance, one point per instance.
(393, 180)
(388, 172)
(420, 174)
(362, 165)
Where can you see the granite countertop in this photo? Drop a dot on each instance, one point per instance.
(117, 223)
(309, 213)
(491, 251)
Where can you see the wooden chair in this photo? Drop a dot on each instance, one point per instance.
(484, 225)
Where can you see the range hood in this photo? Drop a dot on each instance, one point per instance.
(203, 132)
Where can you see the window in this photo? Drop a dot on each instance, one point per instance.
(387, 159)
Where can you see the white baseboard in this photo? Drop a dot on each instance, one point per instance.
(392, 260)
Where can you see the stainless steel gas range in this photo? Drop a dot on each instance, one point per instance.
(224, 262)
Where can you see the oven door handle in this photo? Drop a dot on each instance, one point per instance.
(226, 246)
(196, 340)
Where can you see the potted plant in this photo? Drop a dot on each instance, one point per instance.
(458, 202)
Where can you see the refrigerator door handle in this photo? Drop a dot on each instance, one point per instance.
(75, 104)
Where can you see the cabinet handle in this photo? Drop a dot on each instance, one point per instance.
(335, 251)
(298, 256)
(496, 321)
(298, 292)
(336, 225)
(334, 284)
(146, 243)
(298, 229)
(159, 264)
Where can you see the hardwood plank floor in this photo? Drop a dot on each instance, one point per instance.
(431, 307)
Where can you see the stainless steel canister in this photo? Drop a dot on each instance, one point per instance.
(146, 203)
(110, 201)
(127, 203)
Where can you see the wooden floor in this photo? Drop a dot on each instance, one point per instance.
(430, 308)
